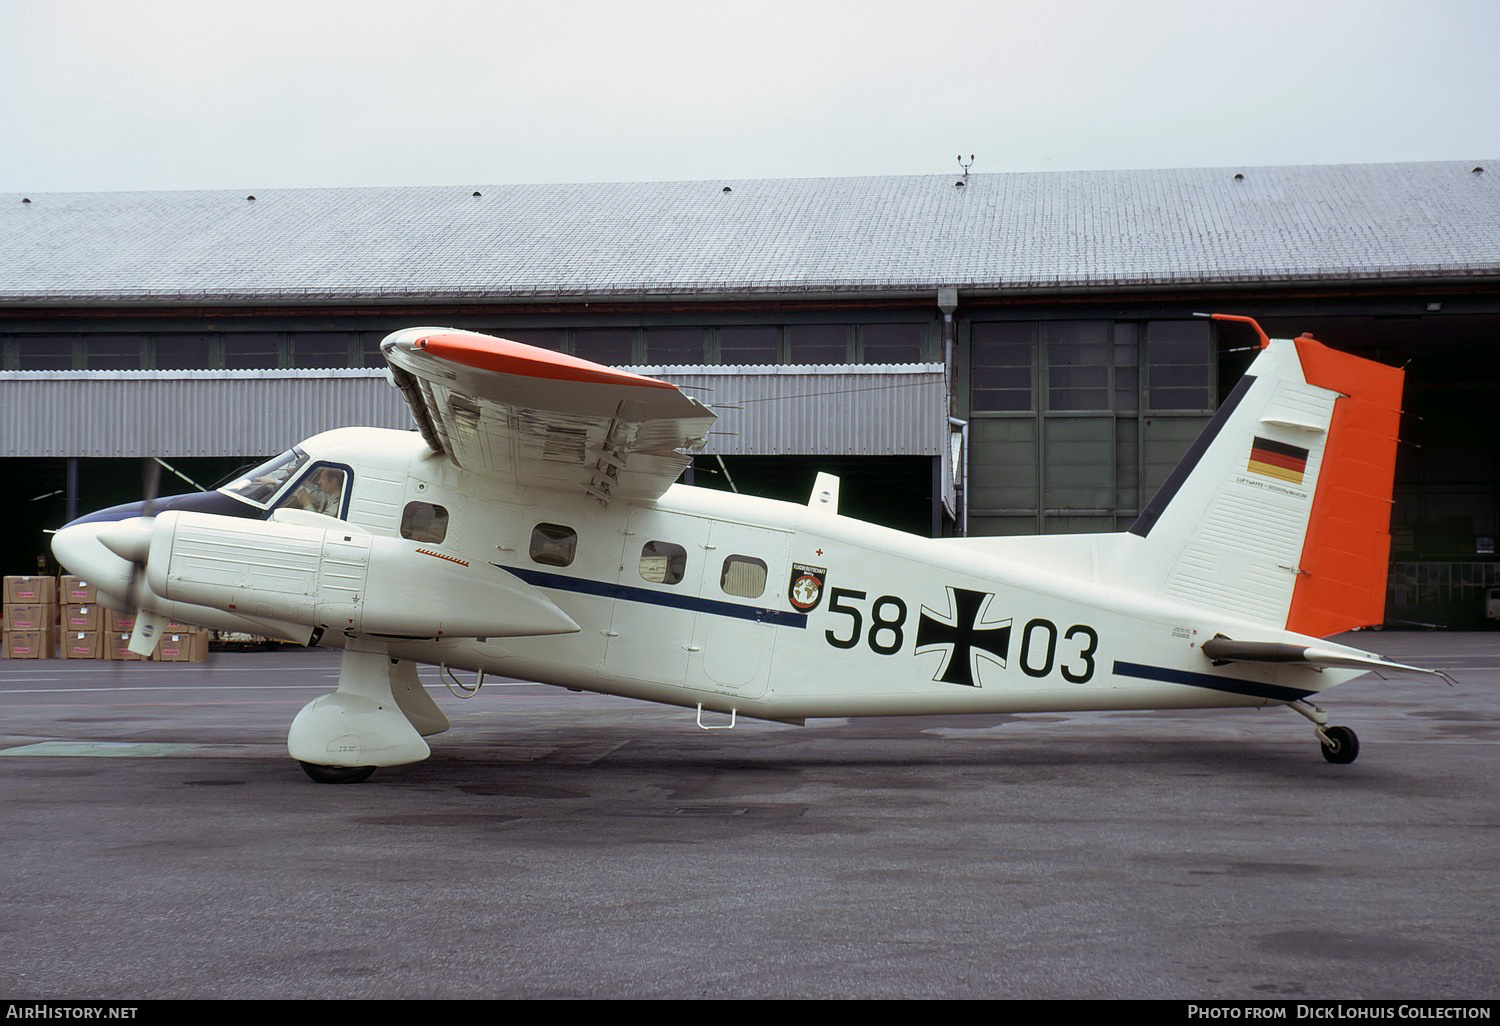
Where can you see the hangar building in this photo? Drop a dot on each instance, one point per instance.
(990, 353)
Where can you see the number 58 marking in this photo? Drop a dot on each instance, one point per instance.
(887, 617)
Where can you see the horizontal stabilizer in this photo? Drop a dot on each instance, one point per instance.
(1226, 650)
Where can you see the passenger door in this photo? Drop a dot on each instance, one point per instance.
(743, 586)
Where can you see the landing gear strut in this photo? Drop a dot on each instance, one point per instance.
(1340, 744)
(377, 717)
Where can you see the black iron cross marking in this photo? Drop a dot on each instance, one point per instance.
(963, 634)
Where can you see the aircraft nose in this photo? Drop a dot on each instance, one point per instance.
(79, 548)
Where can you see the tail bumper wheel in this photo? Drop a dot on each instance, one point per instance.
(1340, 745)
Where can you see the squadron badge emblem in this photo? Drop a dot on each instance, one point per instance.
(806, 588)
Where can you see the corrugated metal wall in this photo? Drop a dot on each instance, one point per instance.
(862, 410)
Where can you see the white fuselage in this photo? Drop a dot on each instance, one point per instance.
(894, 623)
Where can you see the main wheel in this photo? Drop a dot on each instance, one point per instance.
(1344, 748)
(338, 774)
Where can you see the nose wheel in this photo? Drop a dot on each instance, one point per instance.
(338, 774)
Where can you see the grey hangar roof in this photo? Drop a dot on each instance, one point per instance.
(997, 233)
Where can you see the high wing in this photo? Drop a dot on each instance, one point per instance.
(539, 419)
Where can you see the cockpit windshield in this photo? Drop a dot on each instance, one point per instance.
(262, 483)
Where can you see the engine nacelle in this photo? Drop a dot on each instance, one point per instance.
(337, 578)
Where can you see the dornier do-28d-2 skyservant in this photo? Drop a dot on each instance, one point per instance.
(531, 527)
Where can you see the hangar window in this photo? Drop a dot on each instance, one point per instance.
(1079, 354)
(321, 348)
(817, 343)
(662, 562)
(755, 344)
(744, 576)
(553, 544)
(180, 352)
(113, 352)
(674, 346)
(1000, 375)
(891, 343)
(1179, 365)
(424, 522)
(252, 350)
(44, 352)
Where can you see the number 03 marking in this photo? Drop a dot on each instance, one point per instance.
(1039, 650)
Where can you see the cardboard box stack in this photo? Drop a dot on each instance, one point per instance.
(38, 626)
(80, 617)
(30, 617)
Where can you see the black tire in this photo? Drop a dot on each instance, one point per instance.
(1345, 747)
(338, 774)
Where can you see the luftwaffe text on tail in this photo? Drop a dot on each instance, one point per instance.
(531, 527)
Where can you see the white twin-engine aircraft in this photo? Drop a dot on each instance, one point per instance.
(531, 528)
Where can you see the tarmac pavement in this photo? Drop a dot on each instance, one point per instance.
(157, 842)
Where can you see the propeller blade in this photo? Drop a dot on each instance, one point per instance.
(150, 486)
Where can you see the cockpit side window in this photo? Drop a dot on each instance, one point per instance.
(320, 491)
(261, 484)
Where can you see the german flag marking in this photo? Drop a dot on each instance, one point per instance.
(1277, 459)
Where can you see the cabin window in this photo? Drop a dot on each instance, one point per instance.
(321, 491)
(424, 522)
(744, 576)
(553, 544)
(662, 562)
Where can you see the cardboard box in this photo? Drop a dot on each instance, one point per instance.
(76, 590)
(30, 617)
(29, 644)
(189, 646)
(82, 645)
(30, 591)
(117, 622)
(117, 648)
(82, 618)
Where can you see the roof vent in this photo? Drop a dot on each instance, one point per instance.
(1238, 177)
(959, 184)
(25, 199)
(726, 189)
(1477, 171)
(250, 198)
(476, 193)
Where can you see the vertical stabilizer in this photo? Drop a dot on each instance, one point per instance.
(1280, 511)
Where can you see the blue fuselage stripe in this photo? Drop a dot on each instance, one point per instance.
(1253, 688)
(630, 593)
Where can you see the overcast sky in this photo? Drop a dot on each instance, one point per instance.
(187, 94)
